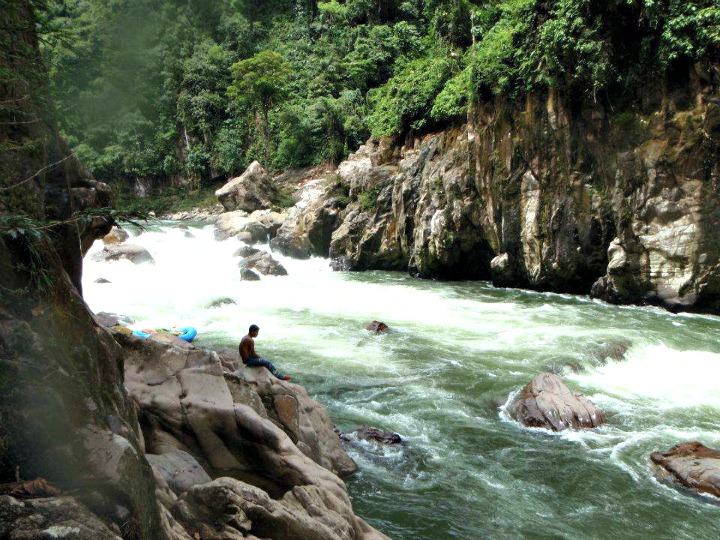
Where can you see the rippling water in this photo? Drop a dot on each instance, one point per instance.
(454, 352)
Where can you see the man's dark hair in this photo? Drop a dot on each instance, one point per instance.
(253, 328)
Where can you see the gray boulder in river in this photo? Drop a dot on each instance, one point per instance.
(132, 252)
(252, 190)
(691, 464)
(547, 403)
(115, 236)
(265, 264)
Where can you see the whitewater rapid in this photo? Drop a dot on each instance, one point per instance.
(455, 349)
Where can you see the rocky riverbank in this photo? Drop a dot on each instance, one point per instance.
(547, 194)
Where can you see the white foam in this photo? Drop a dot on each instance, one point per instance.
(669, 377)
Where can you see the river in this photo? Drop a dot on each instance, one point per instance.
(455, 350)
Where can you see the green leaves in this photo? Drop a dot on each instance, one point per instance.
(261, 79)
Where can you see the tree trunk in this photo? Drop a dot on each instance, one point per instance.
(266, 136)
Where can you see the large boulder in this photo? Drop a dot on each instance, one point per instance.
(115, 236)
(236, 509)
(172, 385)
(248, 275)
(309, 225)
(253, 190)
(257, 227)
(131, 252)
(264, 263)
(377, 327)
(547, 403)
(367, 433)
(248, 425)
(691, 464)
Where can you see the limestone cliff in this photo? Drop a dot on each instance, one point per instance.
(549, 194)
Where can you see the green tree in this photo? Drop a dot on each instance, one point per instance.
(261, 83)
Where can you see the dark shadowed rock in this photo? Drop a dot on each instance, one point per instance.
(367, 433)
(131, 252)
(257, 227)
(264, 263)
(692, 465)
(107, 319)
(377, 327)
(53, 517)
(253, 190)
(248, 275)
(546, 402)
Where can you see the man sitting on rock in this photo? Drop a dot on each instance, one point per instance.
(251, 358)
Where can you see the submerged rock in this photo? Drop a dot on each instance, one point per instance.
(253, 190)
(377, 327)
(52, 517)
(131, 252)
(691, 464)
(547, 403)
(374, 434)
(255, 228)
(221, 302)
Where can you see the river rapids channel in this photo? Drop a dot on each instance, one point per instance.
(456, 350)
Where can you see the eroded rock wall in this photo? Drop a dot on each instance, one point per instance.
(551, 194)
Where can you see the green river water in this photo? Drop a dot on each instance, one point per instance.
(454, 351)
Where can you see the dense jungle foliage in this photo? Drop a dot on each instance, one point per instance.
(193, 90)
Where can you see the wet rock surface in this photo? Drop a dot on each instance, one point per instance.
(367, 433)
(263, 263)
(131, 252)
(115, 236)
(547, 403)
(692, 465)
(253, 190)
(377, 327)
(248, 275)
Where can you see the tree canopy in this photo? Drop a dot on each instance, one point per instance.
(196, 90)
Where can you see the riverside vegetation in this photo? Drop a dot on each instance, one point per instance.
(518, 141)
(156, 90)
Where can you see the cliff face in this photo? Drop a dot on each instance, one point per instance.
(552, 195)
(66, 414)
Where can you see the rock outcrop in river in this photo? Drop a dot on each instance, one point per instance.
(544, 194)
(547, 403)
(691, 464)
